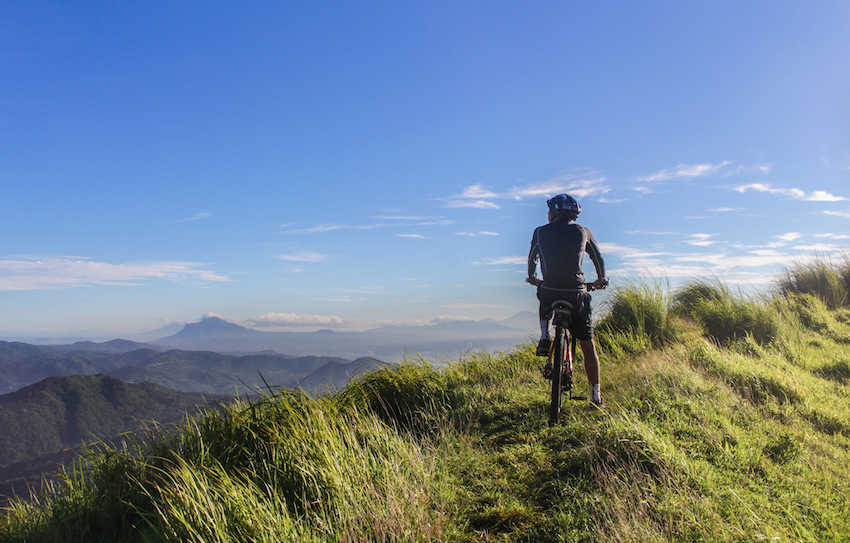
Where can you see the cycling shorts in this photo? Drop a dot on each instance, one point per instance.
(581, 323)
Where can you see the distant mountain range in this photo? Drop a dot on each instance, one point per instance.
(41, 424)
(208, 372)
(389, 343)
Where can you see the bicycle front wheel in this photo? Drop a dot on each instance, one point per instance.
(558, 351)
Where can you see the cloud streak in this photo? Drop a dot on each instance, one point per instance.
(199, 216)
(67, 272)
(480, 197)
(684, 171)
(796, 194)
(303, 257)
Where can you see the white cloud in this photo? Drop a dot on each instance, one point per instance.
(416, 236)
(629, 253)
(280, 320)
(701, 240)
(725, 209)
(202, 215)
(579, 188)
(475, 235)
(477, 196)
(303, 257)
(790, 236)
(469, 306)
(797, 194)
(65, 272)
(684, 171)
(845, 214)
(332, 227)
(475, 204)
(504, 260)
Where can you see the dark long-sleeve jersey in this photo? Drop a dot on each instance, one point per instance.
(560, 247)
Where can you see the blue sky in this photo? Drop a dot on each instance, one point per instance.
(303, 165)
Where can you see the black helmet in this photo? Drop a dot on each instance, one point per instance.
(564, 205)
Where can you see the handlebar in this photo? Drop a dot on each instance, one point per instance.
(591, 286)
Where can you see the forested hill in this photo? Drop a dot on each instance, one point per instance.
(58, 413)
(22, 364)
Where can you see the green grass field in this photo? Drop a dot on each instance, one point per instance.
(727, 419)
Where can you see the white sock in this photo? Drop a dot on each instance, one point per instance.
(597, 390)
(544, 330)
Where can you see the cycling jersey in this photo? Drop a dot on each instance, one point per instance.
(560, 247)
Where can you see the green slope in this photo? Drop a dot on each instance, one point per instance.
(709, 434)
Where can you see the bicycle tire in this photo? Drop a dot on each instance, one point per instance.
(557, 373)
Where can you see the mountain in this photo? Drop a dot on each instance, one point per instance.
(216, 373)
(212, 327)
(392, 343)
(22, 364)
(114, 346)
(524, 320)
(40, 422)
(334, 374)
(188, 371)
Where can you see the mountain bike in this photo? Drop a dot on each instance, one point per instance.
(561, 358)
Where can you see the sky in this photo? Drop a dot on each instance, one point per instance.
(305, 165)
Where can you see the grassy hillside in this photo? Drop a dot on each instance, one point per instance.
(727, 419)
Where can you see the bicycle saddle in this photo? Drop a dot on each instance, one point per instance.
(563, 310)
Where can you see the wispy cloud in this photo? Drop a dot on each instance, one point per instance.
(476, 234)
(845, 214)
(480, 197)
(458, 201)
(280, 320)
(332, 227)
(469, 306)
(701, 240)
(303, 257)
(503, 260)
(199, 216)
(683, 171)
(415, 236)
(66, 272)
(797, 194)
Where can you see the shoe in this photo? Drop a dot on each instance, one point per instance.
(597, 400)
(543, 347)
(547, 371)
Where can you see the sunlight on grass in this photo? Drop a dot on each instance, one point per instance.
(727, 419)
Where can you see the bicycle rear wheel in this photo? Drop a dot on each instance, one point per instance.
(558, 351)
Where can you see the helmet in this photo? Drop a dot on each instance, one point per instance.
(564, 205)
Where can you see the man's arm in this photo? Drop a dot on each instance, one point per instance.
(533, 255)
(592, 249)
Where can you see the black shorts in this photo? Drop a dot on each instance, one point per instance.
(581, 323)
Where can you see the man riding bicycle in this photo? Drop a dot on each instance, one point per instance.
(560, 247)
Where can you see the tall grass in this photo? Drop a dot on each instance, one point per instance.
(725, 316)
(703, 439)
(820, 278)
(635, 318)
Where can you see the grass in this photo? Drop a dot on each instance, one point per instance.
(707, 436)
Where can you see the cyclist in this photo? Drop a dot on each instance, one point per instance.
(560, 247)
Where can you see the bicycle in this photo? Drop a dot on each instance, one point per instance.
(560, 358)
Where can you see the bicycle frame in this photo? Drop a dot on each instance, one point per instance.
(561, 358)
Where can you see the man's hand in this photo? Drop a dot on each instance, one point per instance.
(534, 280)
(600, 283)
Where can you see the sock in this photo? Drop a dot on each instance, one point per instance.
(597, 390)
(544, 330)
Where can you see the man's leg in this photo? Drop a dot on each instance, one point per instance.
(591, 367)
